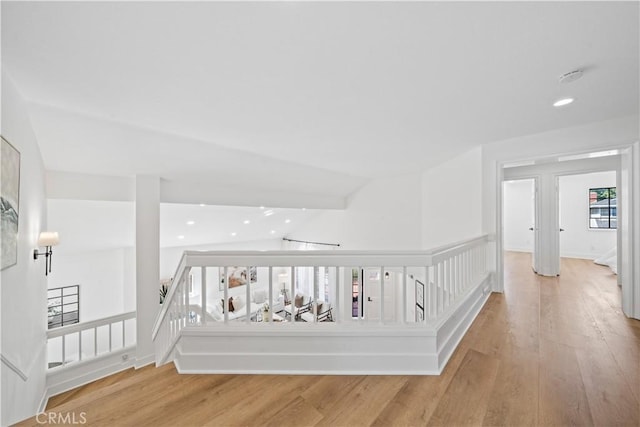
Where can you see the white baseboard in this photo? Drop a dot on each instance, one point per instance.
(77, 374)
(144, 361)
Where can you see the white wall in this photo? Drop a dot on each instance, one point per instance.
(519, 204)
(452, 200)
(578, 240)
(170, 257)
(23, 286)
(384, 214)
(102, 277)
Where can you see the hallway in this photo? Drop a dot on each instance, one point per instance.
(549, 351)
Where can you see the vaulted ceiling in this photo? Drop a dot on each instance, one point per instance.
(313, 98)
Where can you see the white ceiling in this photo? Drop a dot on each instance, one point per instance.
(310, 98)
(88, 225)
(307, 97)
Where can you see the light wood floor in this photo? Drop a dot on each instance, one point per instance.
(549, 351)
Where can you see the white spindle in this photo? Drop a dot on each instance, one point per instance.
(64, 350)
(187, 305)
(381, 294)
(123, 334)
(404, 294)
(433, 308)
(248, 294)
(271, 303)
(225, 302)
(79, 345)
(203, 295)
(292, 297)
(360, 290)
(337, 314)
(314, 306)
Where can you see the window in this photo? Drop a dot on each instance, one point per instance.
(603, 208)
(63, 306)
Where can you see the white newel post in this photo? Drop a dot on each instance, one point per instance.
(147, 264)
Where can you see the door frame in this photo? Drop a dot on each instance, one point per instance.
(628, 170)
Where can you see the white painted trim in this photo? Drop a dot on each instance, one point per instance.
(80, 373)
(466, 312)
(629, 273)
(344, 349)
(8, 363)
(144, 361)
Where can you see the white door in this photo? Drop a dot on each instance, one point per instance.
(372, 296)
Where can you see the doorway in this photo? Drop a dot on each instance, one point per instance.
(589, 217)
(519, 217)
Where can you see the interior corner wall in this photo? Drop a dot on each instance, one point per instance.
(23, 287)
(452, 200)
(384, 214)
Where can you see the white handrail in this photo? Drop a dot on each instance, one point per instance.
(340, 258)
(78, 327)
(13, 367)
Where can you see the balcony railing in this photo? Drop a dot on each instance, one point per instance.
(88, 340)
(294, 290)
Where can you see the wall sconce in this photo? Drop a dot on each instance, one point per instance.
(47, 239)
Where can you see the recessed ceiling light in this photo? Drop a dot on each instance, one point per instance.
(234, 233)
(287, 221)
(269, 212)
(261, 207)
(181, 237)
(202, 204)
(304, 209)
(563, 102)
(273, 231)
(246, 221)
(190, 222)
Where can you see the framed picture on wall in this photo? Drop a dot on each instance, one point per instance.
(419, 301)
(238, 276)
(10, 203)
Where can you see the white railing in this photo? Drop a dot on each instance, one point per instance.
(368, 288)
(88, 340)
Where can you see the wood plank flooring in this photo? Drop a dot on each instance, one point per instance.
(549, 351)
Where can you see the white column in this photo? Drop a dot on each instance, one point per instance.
(147, 264)
(548, 248)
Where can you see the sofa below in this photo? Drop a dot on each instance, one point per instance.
(240, 308)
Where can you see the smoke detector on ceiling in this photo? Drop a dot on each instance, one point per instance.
(571, 76)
